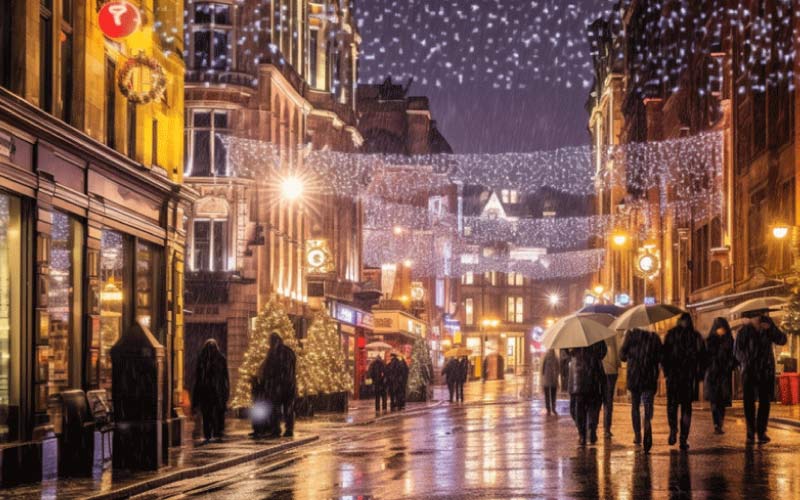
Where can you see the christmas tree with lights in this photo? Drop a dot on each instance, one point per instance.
(421, 371)
(272, 318)
(323, 369)
(791, 321)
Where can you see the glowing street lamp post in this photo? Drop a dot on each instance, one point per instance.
(485, 323)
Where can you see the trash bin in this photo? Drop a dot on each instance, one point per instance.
(785, 384)
(794, 387)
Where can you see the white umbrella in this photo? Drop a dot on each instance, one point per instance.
(759, 304)
(575, 331)
(457, 352)
(602, 318)
(643, 316)
(378, 346)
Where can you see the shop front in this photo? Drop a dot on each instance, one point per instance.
(355, 326)
(90, 243)
(398, 329)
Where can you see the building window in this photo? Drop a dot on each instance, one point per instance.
(5, 45)
(515, 310)
(10, 314)
(468, 278)
(212, 36)
(313, 58)
(66, 60)
(490, 278)
(114, 289)
(209, 157)
(509, 196)
(210, 245)
(515, 279)
(111, 103)
(757, 228)
(469, 311)
(147, 262)
(46, 55)
(65, 305)
(467, 230)
(131, 129)
(154, 156)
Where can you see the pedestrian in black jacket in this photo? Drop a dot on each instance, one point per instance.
(211, 389)
(377, 374)
(753, 351)
(280, 385)
(463, 373)
(396, 379)
(452, 373)
(586, 379)
(683, 361)
(641, 350)
(721, 362)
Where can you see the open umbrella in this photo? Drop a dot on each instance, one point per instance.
(611, 309)
(575, 331)
(759, 304)
(602, 318)
(376, 346)
(642, 316)
(457, 352)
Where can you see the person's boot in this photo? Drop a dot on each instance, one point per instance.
(684, 445)
(593, 437)
(289, 433)
(718, 430)
(608, 434)
(637, 439)
(750, 438)
(763, 438)
(582, 440)
(673, 437)
(648, 442)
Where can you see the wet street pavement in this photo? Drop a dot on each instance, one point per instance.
(501, 446)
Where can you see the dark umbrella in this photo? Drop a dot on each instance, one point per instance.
(611, 309)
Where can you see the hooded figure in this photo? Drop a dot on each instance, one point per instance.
(377, 373)
(753, 351)
(641, 350)
(452, 374)
(721, 362)
(280, 385)
(683, 360)
(586, 380)
(550, 373)
(397, 378)
(211, 389)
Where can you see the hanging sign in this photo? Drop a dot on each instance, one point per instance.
(119, 19)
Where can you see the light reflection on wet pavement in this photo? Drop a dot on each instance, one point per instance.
(509, 449)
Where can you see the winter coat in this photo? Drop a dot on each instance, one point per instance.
(278, 373)
(683, 360)
(211, 387)
(641, 350)
(611, 362)
(753, 351)
(550, 369)
(586, 375)
(377, 373)
(721, 362)
(397, 374)
(452, 371)
(463, 370)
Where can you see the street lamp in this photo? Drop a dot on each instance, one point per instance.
(554, 299)
(780, 230)
(291, 188)
(486, 323)
(598, 290)
(619, 239)
(408, 262)
(397, 230)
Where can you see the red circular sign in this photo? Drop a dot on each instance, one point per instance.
(119, 19)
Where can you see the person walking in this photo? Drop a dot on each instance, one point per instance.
(683, 361)
(394, 381)
(377, 374)
(451, 373)
(403, 388)
(641, 351)
(211, 390)
(463, 373)
(280, 385)
(586, 379)
(550, 374)
(611, 364)
(721, 362)
(753, 351)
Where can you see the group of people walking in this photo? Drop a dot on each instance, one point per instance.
(389, 380)
(455, 373)
(686, 359)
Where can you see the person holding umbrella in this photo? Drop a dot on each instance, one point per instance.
(683, 361)
(721, 362)
(452, 373)
(586, 381)
(463, 372)
(377, 375)
(641, 350)
(753, 351)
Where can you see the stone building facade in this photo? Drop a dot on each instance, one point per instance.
(92, 230)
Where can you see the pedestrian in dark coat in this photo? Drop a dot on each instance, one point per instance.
(550, 374)
(377, 374)
(211, 390)
(641, 350)
(402, 390)
(394, 381)
(586, 379)
(683, 361)
(563, 360)
(280, 385)
(721, 362)
(452, 373)
(753, 351)
(463, 373)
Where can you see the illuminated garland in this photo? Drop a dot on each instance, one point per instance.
(158, 80)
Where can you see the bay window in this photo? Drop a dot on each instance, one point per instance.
(212, 36)
(208, 155)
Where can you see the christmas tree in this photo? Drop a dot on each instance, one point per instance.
(272, 318)
(323, 369)
(791, 321)
(421, 371)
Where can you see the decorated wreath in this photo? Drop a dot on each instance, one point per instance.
(158, 80)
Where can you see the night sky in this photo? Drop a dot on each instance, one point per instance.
(502, 75)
